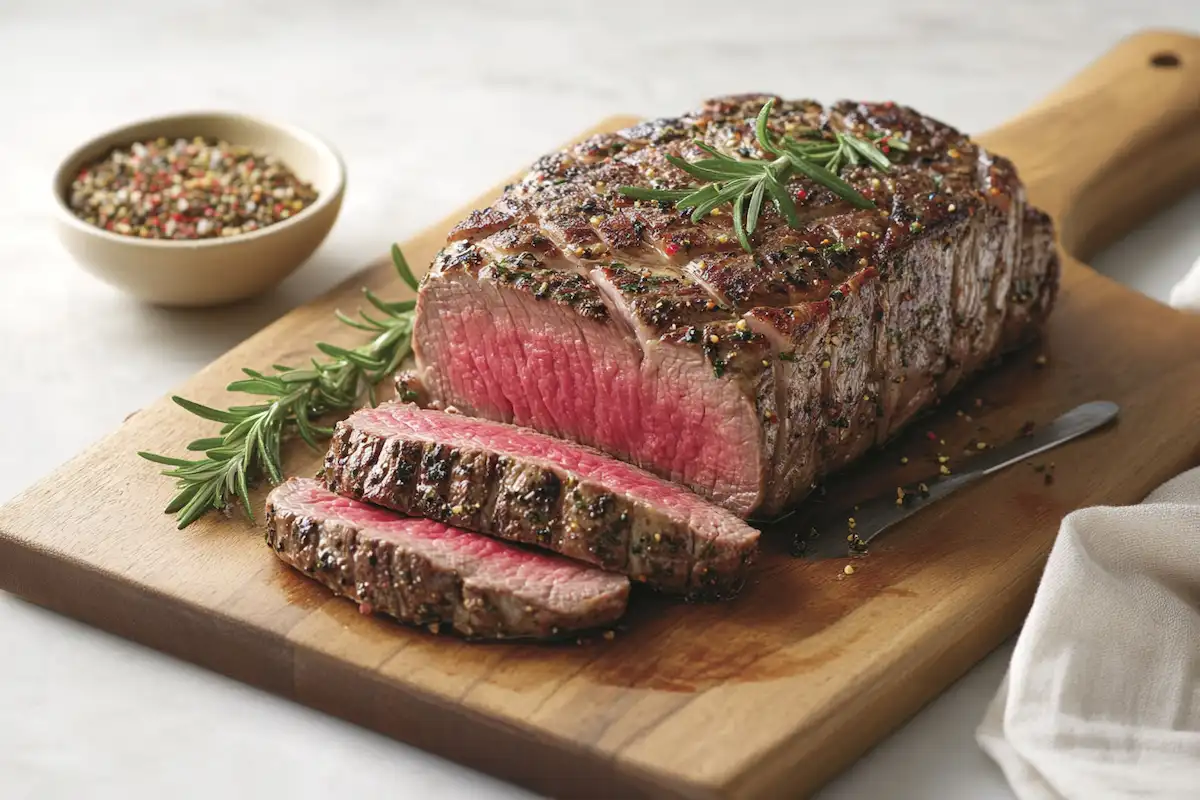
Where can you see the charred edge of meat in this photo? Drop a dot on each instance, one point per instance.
(404, 585)
(514, 500)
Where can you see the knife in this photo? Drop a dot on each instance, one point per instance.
(839, 538)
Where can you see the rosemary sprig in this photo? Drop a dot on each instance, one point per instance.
(248, 444)
(746, 183)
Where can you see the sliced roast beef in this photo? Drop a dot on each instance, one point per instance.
(573, 309)
(427, 573)
(518, 484)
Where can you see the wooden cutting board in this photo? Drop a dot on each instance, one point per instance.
(766, 696)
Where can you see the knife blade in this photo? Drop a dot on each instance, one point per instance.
(837, 537)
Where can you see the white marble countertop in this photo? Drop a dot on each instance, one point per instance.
(429, 103)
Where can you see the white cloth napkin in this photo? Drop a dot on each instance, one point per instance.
(1102, 698)
(1186, 294)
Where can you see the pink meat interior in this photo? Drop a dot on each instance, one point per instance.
(472, 554)
(707, 520)
(496, 354)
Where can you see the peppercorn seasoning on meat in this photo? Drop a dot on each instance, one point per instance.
(524, 486)
(747, 343)
(425, 573)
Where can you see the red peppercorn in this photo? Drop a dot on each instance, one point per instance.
(164, 189)
(801, 194)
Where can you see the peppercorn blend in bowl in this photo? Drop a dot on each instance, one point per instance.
(197, 209)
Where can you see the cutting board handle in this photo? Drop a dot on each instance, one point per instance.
(1115, 144)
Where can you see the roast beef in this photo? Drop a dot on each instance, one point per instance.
(572, 309)
(518, 484)
(424, 572)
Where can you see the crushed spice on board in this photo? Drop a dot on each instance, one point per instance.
(187, 189)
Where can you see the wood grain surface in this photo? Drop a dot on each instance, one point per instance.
(765, 696)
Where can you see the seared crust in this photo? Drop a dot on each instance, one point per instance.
(893, 306)
(530, 501)
(569, 203)
(413, 585)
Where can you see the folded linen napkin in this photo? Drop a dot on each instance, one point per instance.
(1186, 294)
(1102, 697)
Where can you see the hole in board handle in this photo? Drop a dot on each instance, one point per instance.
(1164, 60)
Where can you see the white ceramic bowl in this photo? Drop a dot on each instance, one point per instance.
(205, 272)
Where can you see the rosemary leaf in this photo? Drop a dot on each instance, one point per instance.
(355, 357)
(386, 307)
(353, 323)
(845, 152)
(696, 169)
(699, 197)
(760, 129)
(183, 498)
(868, 151)
(738, 205)
(829, 180)
(200, 445)
(305, 429)
(269, 457)
(784, 203)
(642, 193)
(166, 460)
(214, 414)
(208, 497)
(756, 201)
(730, 167)
(256, 386)
(243, 487)
(402, 268)
(245, 410)
(402, 350)
(299, 376)
(718, 198)
(248, 447)
(745, 183)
